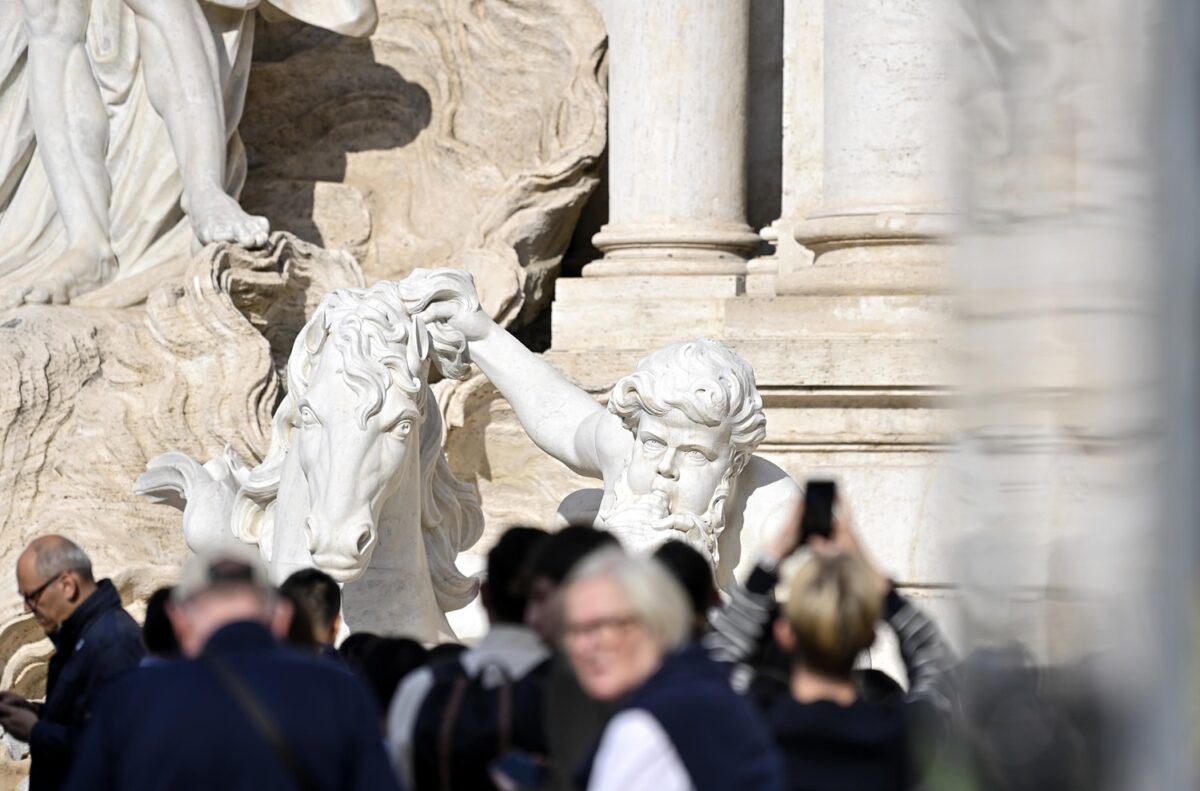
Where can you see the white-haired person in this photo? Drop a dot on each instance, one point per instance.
(626, 624)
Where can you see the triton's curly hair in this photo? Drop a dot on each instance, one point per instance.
(706, 381)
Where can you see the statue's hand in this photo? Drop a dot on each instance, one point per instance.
(446, 296)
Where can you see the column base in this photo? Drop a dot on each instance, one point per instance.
(762, 272)
(670, 250)
(885, 253)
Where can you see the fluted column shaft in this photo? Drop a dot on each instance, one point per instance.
(677, 139)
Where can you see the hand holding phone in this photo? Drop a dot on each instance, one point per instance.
(819, 497)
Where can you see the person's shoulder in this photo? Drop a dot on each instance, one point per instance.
(688, 679)
(170, 684)
(116, 643)
(287, 662)
(861, 721)
(118, 624)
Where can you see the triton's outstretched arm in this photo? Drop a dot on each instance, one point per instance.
(559, 416)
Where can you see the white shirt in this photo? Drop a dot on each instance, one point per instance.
(636, 754)
(515, 648)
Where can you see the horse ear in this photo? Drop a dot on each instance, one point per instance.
(314, 332)
(418, 344)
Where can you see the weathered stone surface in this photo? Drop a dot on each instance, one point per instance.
(87, 396)
(458, 128)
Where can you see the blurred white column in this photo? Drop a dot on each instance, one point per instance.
(885, 189)
(677, 139)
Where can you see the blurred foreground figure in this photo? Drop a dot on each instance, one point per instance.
(695, 575)
(95, 641)
(157, 632)
(573, 720)
(321, 599)
(475, 721)
(830, 736)
(244, 712)
(626, 628)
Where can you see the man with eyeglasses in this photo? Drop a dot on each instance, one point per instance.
(95, 641)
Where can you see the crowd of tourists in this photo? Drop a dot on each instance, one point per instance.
(600, 669)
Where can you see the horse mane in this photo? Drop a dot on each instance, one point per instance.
(378, 341)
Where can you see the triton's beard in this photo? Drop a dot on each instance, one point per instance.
(643, 522)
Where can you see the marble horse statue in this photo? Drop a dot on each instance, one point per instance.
(355, 481)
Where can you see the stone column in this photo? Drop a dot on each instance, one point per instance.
(885, 191)
(803, 140)
(677, 139)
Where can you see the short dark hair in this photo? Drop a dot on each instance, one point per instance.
(300, 632)
(559, 553)
(318, 594)
(445, 652)
(354, 649)
(157, 633)
(693, 571)
(386, 663)
(506, 584)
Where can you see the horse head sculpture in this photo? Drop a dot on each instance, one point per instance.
(355, 481)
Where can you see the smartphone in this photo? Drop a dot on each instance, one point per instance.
(818, 509)
(517, 770)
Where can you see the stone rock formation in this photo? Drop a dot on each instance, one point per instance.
(91, 395)
(461, 134)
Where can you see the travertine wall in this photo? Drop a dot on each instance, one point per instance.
(846, 324)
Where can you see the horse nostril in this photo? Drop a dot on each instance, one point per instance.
(364, 539)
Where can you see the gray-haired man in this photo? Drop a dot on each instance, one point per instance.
(95, 641)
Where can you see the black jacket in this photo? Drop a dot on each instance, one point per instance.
(175, 726)
(98, 643)
(830, 747)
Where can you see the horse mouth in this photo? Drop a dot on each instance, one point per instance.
(341, 568)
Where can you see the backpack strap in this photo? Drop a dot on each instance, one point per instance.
(461, 681)
(261, 719)
(446, 728)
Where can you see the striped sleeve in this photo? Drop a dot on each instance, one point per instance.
(739, 628)
(926, 654)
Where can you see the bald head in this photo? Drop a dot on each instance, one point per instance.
(52, 555)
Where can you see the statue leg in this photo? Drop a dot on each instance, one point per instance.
(71, 127)
(184, 86)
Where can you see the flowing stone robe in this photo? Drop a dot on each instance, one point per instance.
(151, 236)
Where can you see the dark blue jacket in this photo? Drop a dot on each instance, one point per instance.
(98, 643)
(828, 746)
(719, 735)
(174, 726)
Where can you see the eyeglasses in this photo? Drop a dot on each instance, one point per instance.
(601, 628)
(32, 597)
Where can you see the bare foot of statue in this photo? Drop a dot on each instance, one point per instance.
(216, 217)
(78, 271)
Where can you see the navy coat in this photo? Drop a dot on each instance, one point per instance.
(174, 726)
(97, 644)
(720, 737)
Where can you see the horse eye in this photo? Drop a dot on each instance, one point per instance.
(308, 417)
(403, 428)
